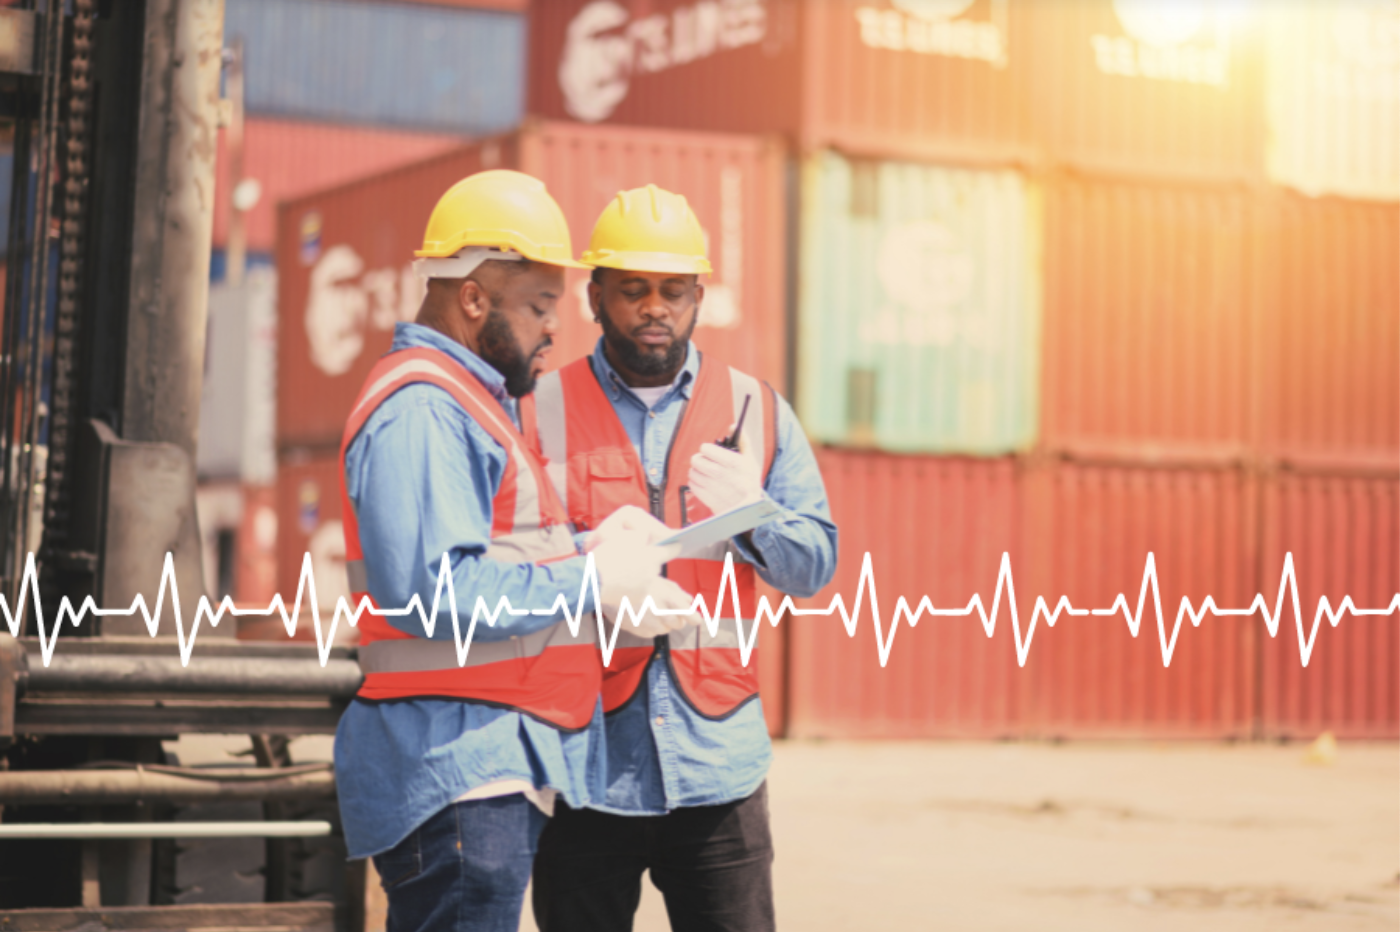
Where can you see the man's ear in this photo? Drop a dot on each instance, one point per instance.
(595, 300)
(473, 299)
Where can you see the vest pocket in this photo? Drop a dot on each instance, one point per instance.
(612, 482)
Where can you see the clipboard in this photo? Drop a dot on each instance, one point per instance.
(701, 535)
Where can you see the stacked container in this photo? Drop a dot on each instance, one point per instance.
(1050, 306)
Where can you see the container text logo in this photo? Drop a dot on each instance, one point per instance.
(931, 27)
(1166, 42)
(604, 47)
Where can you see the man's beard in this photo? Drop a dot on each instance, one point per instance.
(502, 350)
(643, 361)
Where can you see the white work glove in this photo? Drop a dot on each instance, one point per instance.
(723, 479)
(629, 567)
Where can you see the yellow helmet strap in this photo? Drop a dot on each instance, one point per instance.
(463, 263)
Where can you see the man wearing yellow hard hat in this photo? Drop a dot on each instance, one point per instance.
(447, 767)
(635, 424)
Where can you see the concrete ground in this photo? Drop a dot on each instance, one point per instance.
(1081, 836)
(1076, 836)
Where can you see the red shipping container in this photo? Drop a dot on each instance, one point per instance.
(1344, 535)
(288, 159)
(308, 522)
(933, 527)
(1147, 330)
(1329, 299)
(1147, 89)
(1093, 84)
(869, 76)
(344, 255)
(1089, 531)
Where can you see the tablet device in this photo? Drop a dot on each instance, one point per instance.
(696, 538)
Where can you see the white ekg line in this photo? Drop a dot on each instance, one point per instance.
(729, 590)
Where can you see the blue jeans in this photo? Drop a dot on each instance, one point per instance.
(465, 869)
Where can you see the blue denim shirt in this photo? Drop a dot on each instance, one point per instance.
(661, 753)
(422, 475)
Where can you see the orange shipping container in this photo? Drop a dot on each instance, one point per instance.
(1329, 298)
(288, 159)
(1147, 332)
(1344, 535)
(1089, 531)
(344, 255)
(936, 527)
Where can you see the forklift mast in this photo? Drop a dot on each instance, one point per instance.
(113, 109)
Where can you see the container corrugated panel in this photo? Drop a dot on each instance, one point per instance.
(395, 64)
(345, 256)
(1333, 92)
(1093, 528)
(1330, 303)
(919, 314)
(735, 185)
(933, 527)
(1344, 535)
(1148, 90)
(1147, 317)
(289, 159)
(730, 66)
(917, 79)
(308, 521)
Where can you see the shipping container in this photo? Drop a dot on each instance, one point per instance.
(1089, 532)
(925, 80)
(728, 66)
(877, 77)
(1148, 334)
(288, 159)
(344, 256)
(933, 527)
(1333, 97)
(308, 522)
(1329, 298)
(406, 65)
(1344, 537)
(919, 307)
(1143, 89)
(1102, 85)
(238, 401)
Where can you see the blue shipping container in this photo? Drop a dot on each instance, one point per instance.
(404, 65)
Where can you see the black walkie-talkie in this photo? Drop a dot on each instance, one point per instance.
(732, 441)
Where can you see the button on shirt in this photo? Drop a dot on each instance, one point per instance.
(421, 475)
(661, 753)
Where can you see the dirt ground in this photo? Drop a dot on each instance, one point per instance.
(1081, 836)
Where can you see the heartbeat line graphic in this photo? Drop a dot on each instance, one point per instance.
(728, 594)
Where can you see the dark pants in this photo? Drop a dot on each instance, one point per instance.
(713, 864)
(465, 869)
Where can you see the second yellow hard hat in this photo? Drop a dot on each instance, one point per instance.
(648, 230)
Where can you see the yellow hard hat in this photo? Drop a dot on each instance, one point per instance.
(648, 230)
(501, 209)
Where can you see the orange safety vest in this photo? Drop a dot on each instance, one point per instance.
(596, 470)
(550, 674)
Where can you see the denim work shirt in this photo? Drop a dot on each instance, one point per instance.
(422, 475)
(661, 753)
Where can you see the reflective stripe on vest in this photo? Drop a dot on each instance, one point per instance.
(550, 674)
(594, 468)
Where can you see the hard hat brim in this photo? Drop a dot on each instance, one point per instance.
(661, 262)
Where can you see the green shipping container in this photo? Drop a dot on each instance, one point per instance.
(919, 315)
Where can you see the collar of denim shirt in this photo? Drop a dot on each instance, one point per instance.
(616, 387)
(413, 336)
